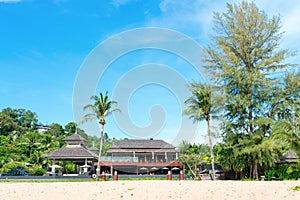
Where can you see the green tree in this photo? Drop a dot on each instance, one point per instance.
(24, 120)
(7, 125)
(193, 156)
(100, 109)
(31, 140)
(241, 59)
(71, 127)
(183, 147)
(56, 130)
(201, 107)
(287, 133)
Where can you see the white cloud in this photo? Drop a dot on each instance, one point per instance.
(194, 17)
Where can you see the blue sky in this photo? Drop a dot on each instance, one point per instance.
(43, 46)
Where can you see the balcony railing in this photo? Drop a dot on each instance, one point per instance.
(135, 159)
(120, 158)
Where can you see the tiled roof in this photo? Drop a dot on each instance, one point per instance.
(116, 150)
(290, 155)
(142, 144)
(75, 137)
(93, 149)
(71, 152)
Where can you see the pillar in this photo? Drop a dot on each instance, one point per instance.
(169, 176)
(181, 175)
(103, 177)
(116, 176)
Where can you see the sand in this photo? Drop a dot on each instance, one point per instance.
(150, 190)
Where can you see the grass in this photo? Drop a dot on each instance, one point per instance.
(143, 179)
(42, 181)
(88, 180)
(296, 188)
(249, 179)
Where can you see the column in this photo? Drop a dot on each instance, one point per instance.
(153, 156)
(166, 156)
(133, 156)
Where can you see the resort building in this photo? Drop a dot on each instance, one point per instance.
(42, 128)
(289, 157)
(75, 151)
(141, 157)
(125, 156)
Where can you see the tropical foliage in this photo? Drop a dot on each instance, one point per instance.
(194, 156)
(260, 117)
(201, 107)
(22, 145)
(100, 109)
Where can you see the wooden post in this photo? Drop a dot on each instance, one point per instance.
(116, 176)
(181, 175)
(103, 176)
(169, 176)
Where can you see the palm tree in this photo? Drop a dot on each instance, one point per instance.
(200, 107)
(100, 109)
(32, 141)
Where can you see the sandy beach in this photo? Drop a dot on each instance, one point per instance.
(151, 190)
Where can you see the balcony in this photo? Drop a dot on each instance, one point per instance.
(119, 159)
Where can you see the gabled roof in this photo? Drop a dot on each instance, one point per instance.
(142, 144)
(75, 137)
(290, 155)
(93, 149)
(72, 152)
(140, 150)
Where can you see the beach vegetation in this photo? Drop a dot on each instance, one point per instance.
(100, 109)
(201, 106)
(22, 144)
(259, 88)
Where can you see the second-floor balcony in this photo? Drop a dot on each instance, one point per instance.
(120, 159)
(143, 159)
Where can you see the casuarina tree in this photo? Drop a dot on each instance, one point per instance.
(241, 59)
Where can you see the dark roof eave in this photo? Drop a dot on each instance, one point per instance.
(66, 157)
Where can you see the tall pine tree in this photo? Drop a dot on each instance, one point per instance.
(242, 59)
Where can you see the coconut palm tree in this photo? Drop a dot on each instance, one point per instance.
(100, 109)
(200, 107)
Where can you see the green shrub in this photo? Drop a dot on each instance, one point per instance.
(70, 167)
(270, 173)
(7, 167)
(40, 172)
(296, 188)
(288, 171)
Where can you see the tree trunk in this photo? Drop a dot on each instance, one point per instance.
(100, 151)
(251, 171)
(211, 150)
(255, 173)
(250, 120)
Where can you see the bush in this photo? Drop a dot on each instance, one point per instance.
(7, 167)
(70, 167)
(288, 171)
(40, 172)
(270, 173)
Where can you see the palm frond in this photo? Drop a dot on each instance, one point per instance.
(88, 117)
(100, 108)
